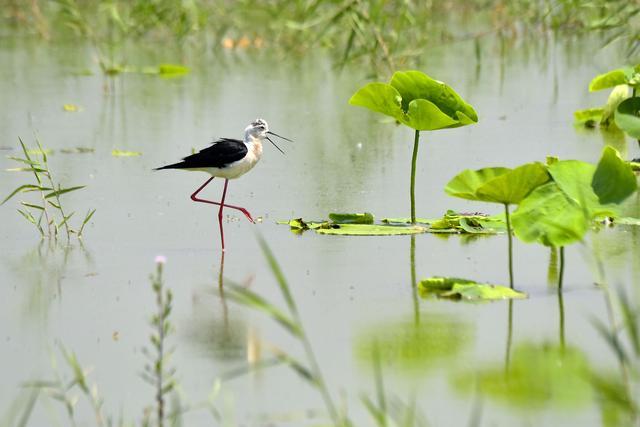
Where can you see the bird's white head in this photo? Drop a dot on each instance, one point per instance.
(257, 129)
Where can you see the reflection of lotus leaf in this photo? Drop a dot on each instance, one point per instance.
(410, 346)
(538, 375)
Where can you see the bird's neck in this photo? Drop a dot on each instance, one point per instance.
(251, 140)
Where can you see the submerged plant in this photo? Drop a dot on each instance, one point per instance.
(419, 102)
(47, 214)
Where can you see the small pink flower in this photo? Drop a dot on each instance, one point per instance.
(160, 259)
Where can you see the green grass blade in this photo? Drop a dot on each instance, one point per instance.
(85, 221)
(375, 413)
(29, 169)
(65, 219)
(277, 272)
(29, 205)
(611, 339)
(19, 159)
(27, 215)
(63, 191)
(250, 299)
(298, 367)
(25, 187)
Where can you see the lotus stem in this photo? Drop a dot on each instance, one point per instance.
(413, 176)
(506, 213)
(561, 271)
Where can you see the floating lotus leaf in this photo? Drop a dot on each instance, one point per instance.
(588, 117)
(371, 230)
(351, 218)
(456, 288)
(628, 116)
(416, 100)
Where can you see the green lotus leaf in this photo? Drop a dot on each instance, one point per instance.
(466, 183)
(416, 100)
(617, 95)
(425, 115)
(417, 85)
(371, 230)
(549, 216)
(513, 186)
(351, 218)
(588, 116)
(381, 98)
(574, 178)
(498, 185)
(613, 180)
(453, 287)
(627, 116)
(610, 79)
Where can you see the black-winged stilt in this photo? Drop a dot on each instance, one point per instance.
(228, 158)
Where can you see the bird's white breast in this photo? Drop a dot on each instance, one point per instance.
(242, 166)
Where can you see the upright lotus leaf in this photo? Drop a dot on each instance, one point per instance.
(613, 180)
(610, 79)
(381, 98)
(574, 179)
(617, 95)
(416, 100)
(628, 116)
(415, 85)
(550, 217)
(465, 185)
(512, 187)
(420, 102)
(425, 115)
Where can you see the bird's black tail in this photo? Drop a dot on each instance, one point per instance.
(179, 165)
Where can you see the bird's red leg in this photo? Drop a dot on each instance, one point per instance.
(196, 199)
(224, 194)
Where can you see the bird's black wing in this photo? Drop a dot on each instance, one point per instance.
(220, 154)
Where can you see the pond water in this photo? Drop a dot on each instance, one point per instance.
(95, 299)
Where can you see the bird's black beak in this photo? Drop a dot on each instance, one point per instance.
(274, 144)
(275, 134)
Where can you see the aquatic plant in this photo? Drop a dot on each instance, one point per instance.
(465, 289)
(156, 372)
(51, 216)
(561, 211)
(292, 322)
(499, 185)
(622, 109)
(419, 102)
